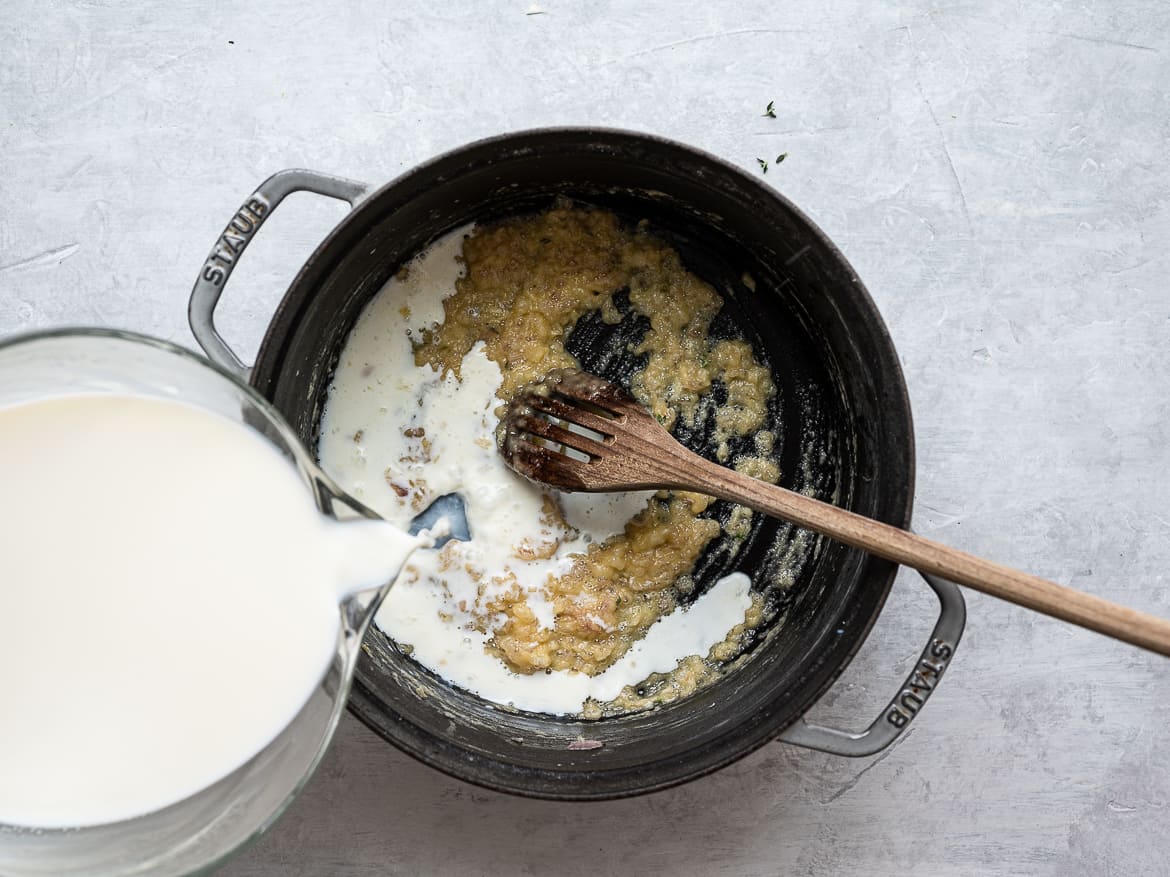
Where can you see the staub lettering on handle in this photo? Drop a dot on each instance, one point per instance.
(234, 239)
(921, 683)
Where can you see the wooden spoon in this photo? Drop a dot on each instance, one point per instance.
(577, 432)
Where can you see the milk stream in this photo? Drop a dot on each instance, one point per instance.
(381, 407)
(169, 600)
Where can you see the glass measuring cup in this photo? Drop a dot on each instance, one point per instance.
(201, 832)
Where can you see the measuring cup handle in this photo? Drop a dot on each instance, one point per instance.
(230, 245)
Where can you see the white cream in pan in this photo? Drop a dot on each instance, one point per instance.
(380, 407)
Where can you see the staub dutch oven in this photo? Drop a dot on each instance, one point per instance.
(841, 414)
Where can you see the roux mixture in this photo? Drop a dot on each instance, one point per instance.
(525, 283)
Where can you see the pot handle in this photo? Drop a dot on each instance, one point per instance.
(920, 684)
(230, 245)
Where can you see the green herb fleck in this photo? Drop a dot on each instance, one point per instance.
(770, 110)
(763, 165)
(781, 157)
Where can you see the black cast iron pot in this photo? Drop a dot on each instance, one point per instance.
(843, 433)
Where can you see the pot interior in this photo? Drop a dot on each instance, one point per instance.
(841, 418)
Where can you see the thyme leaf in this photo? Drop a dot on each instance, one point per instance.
(763, 165)
(770, 110)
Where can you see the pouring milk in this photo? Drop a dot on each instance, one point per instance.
(168, 602)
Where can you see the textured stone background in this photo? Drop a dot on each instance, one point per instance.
(997, 172)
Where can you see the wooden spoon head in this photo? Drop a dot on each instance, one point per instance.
(577, 432)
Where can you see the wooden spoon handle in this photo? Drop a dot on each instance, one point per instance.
(909, 549)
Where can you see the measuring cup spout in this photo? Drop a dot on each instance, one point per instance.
(358, 607)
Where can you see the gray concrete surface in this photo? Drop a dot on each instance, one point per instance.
(998, 173)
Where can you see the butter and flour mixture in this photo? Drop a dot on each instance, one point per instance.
(559, 603)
